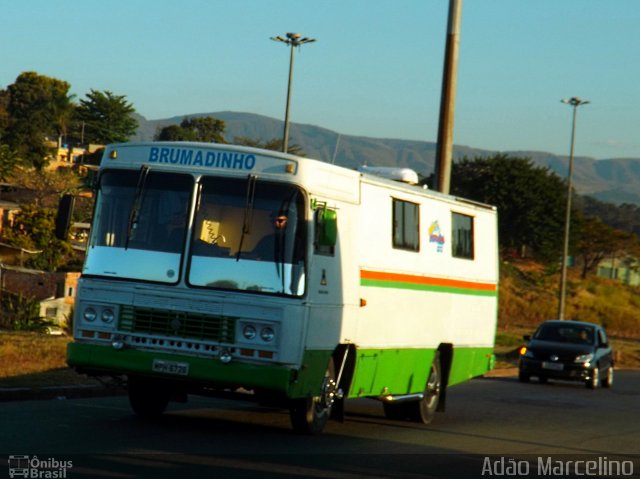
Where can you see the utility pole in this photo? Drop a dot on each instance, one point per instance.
(444, 151)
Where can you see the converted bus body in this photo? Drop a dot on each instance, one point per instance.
(374, 288)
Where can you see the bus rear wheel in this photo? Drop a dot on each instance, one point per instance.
(310, 415)
(424, 409)
(147, 398)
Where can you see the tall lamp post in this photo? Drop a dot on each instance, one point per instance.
(575, 102)
(292, 40)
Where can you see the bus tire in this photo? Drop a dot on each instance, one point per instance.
(147, 398)
(424, 409)
(310, 415)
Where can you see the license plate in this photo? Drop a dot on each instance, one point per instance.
(170, 367)
(553, 366)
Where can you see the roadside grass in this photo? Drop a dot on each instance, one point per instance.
(29, 359)
(30, 352)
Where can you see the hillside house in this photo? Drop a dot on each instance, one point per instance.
(625, 270)
(54, 291)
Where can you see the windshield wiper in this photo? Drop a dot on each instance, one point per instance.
(136, 204)
(248, 211)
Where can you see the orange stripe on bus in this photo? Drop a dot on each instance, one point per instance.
(408, 278)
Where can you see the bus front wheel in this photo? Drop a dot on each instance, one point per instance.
(309, 415)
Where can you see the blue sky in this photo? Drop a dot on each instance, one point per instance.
(375, 70)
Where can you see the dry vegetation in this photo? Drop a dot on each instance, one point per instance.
(529, 295)
(28, 352)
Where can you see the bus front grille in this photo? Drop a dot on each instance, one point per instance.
(177, 324)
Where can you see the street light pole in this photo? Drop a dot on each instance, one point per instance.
(575, 102)
(292, 40)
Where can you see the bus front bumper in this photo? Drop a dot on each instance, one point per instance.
(95, 359)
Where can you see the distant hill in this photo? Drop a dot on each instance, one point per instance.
(611, 180)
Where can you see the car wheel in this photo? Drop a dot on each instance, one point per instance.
(523, 377)
(607, 382)
(594, 380)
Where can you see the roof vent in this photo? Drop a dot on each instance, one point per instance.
(405, 175)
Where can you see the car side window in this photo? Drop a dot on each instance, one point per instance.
(602, 337)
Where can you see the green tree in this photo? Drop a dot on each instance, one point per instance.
(107, 118)
(38, 107)
(47, 186)
(205, 129)
(173, 133)
(4, 111)
(597, 241)
(274, 144)
(530, 200)
(33, 229)
(9, 160)
(20, 313)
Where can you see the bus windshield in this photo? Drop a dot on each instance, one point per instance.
(249, 235)
(140, 225)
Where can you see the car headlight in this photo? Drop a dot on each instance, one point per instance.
(584, 358)
(90, 315)
(526, 353)
(267, 334)
(249, 332)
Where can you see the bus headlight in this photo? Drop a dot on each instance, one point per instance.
(257, 333)
(108, 316)
(249, 332)
(90, 314)
(267, 334)
(96, 315)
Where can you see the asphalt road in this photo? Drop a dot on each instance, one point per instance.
(497, 417)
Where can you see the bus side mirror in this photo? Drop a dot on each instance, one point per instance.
(63, 219)
(327, 227)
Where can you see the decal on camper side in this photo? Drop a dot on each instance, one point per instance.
(435, 236)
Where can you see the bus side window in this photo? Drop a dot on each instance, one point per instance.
(462, 233)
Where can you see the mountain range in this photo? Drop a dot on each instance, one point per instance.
(615, 180)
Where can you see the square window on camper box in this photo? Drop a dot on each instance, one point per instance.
(461, 236)
(406, 225)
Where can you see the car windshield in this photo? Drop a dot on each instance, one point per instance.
(569, 333)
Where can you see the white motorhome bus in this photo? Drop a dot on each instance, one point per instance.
(223, 268)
